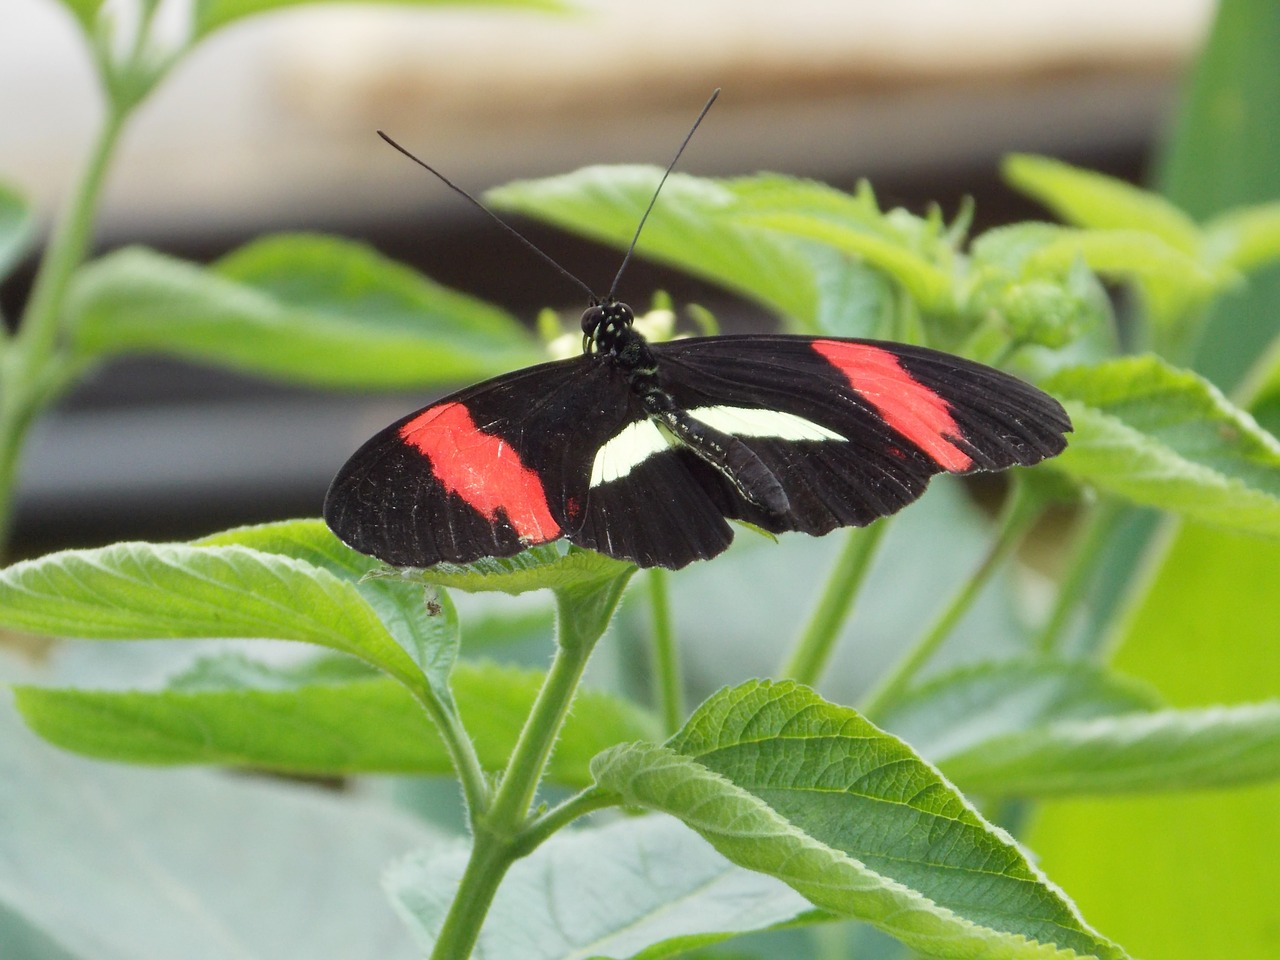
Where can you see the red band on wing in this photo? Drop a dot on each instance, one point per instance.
(482, 469)
(907, 405)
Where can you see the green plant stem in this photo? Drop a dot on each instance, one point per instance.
(490, 860)
(18, 410)
(561, 815)
(496, 842)
(506, 832)
(38, 335)
(811, 653)
(533, 748)
(1020, 512)
(12, 434)
(666, 659)
(1096, 529)
(33, 374)
(462, 756)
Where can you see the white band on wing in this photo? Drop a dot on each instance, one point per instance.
(641, 439)
(627, 449)
(754, 422)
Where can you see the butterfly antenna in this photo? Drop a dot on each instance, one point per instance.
(497, 219)
(631, 249)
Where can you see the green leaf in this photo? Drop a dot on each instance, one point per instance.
(1246, 238)
(1165, 750)
(1124, 255)
(782, 782)
(120, 864)
(1171, 281)
(1010, 247)
(638, 888)
(916, 252)
(1131, 234)
(547, 567)
(1044, 728)
(1194, 876)
(959, 711)
(323, 720)
(211, 15)
(23, 938)
(692, 227)
(1097, 201)
(929, 285)
(400, 599)
(1261, 388)
(232, 670)
(1186, 876)
(309, 309)
(85, 12)
(428, 631)
(137, 591)
(1221, 157)
(431, 636)
(306, 539)
(1007, 281)
(1165, 437)
(17, 227)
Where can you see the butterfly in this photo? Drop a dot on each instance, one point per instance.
(645, 451)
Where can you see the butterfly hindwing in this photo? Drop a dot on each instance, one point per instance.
(662, 512)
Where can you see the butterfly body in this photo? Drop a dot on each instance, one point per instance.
(645, 451)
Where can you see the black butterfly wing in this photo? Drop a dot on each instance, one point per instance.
(852, 430)
(488, 471)
(665, 513)
(506, 464)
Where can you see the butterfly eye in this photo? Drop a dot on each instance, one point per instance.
(592, 317)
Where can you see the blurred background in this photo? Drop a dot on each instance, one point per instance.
(271, 125)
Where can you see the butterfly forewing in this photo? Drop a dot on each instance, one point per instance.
(852, 430)
(488, 471)
(959, 415)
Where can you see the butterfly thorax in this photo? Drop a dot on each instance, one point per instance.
(608, 332)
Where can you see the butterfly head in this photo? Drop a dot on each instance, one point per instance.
(603, 324)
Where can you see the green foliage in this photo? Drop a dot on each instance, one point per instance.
(212, 15)
(1167, 438)
(540, 568)
(85, 12)
(770, 806)
(781, 782)
(1189, 876)
(112, 864)
(1132, 234)
(643, 887)
(133, 590)
(319, 721)
(1203, 634)
(309, 309)
(698, 228)
(1167, 750)
(1100, 202)
(1221, 162)
(842, 813)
